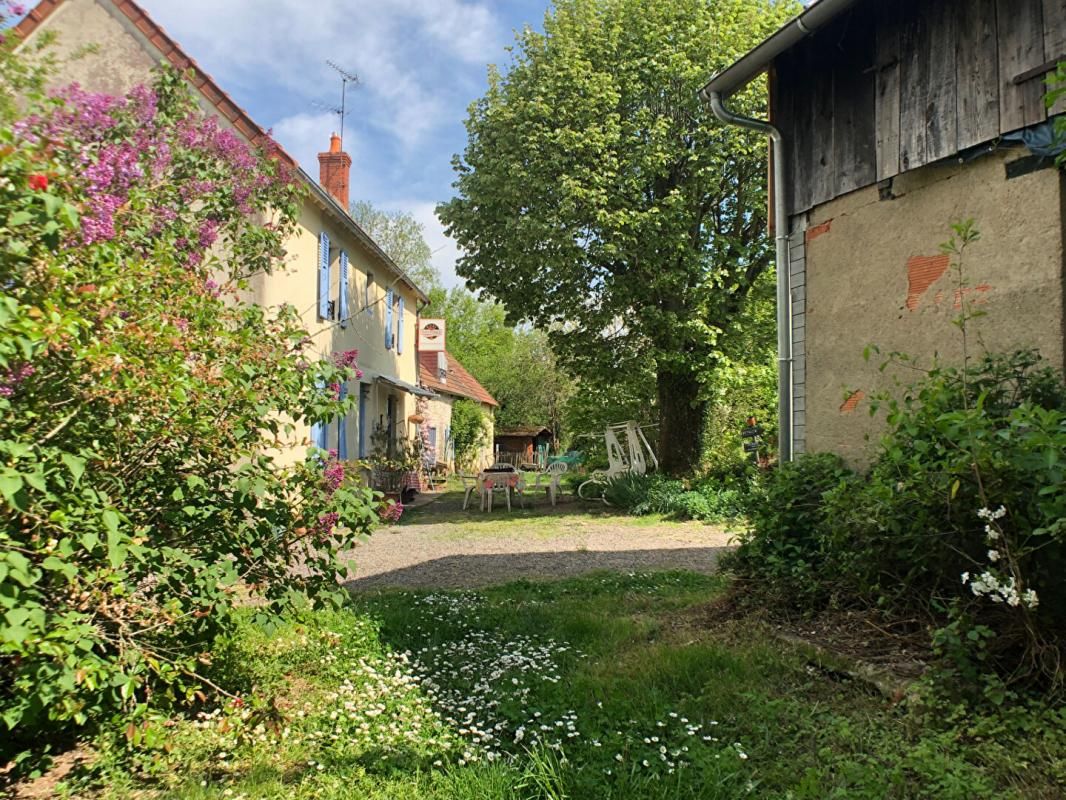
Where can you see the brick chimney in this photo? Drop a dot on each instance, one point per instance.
(333, 170)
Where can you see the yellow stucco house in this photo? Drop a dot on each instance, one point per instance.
(351, 295)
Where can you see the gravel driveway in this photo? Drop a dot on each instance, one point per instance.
(441, 546)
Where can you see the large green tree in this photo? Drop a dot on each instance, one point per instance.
(599, 199)
(402, 236)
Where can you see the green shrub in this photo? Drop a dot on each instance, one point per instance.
(966, 505)
(655, 494)
(142, 403)
(964, 509)
(785, 549)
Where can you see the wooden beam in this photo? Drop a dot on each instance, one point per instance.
(977, 67)
(1021, 48)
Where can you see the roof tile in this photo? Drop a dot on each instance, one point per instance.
(460, 382)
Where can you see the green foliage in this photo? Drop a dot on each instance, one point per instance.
(600, 199)
(403, 237)
(785, 549)
(469, 431)
(743, 383)
(656, 494)
(142, 402)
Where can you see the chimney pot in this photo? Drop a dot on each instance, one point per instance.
(334, 170)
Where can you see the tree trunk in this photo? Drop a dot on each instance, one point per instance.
(682, 419)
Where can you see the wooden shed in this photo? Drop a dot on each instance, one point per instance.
(523, 444)
(897, 120)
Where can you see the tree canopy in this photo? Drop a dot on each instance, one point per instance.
(402, 236)
(600, 200)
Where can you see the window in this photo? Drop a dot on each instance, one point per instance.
(342, 303)
(389, 333)
(368, 294)
(324, 303)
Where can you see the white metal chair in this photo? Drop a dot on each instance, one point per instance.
(553, 473)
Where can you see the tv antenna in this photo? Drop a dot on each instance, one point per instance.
(346, 78)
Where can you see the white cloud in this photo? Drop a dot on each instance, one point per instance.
(304, 136)
(445, 250)
(403, 51)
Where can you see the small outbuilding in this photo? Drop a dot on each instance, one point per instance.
(527, 444)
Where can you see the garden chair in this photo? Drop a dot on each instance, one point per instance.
(470, 483)
(553, 473)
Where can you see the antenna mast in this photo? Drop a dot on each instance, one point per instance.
(346, 78)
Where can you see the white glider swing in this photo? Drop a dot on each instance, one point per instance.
(633, 459)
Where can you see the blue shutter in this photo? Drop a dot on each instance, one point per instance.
(388, 319)
(318, 430)
(323, 275)
(399, 328)
(342, 428)
(343, 304)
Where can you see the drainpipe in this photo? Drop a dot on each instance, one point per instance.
(784, 287)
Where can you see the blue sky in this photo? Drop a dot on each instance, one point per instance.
(421, 63)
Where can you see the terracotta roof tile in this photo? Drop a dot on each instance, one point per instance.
(459, 383)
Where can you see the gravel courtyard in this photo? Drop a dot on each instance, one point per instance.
(438, 545)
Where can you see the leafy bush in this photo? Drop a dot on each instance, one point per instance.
(655, 494)
(786, 546)
(142, 402)
(963, 510)
(468, 431)
(966, 504)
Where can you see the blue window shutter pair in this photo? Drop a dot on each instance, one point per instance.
(342, 428)
(388, 319)
(399, 327)
(343, 304)
(323, 275)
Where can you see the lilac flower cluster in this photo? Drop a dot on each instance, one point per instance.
(118, 144)
(14, 377)
(333, 476)
(392, 512)
(345, 358)
(326, 523)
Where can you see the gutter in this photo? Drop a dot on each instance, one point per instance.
(755, 62)
(718, 89)
(784, 282)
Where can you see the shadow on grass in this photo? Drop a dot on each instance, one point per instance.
(475, 571)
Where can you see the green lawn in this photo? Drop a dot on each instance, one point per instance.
(601, 687)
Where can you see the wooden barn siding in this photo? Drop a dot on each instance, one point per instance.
(889, 87)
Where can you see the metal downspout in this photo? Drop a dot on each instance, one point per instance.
(784, 283)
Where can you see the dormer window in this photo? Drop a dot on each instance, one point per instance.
(442, 367)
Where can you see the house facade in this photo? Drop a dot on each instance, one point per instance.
(350, 294)
(897, 120)
(441, 372)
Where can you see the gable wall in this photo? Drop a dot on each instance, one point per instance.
(869, 271)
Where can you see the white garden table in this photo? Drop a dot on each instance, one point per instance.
(497, 478)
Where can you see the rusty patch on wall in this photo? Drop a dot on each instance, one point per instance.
(818, 230)
(852, 402)
(923, 272)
